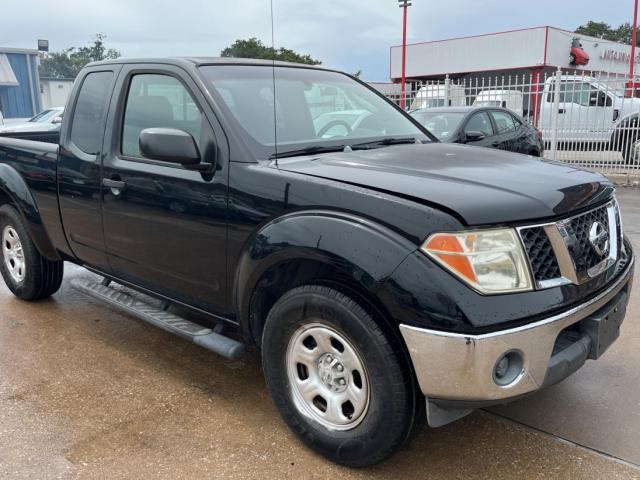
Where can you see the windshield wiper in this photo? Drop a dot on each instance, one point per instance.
(385, 142)
(308, 151)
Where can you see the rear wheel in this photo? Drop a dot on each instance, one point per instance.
(28, 274)
(338, 381)
(630, 152)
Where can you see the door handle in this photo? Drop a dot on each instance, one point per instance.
(562, 110)
(116, 186)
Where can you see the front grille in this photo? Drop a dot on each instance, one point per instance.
(583, 254)
(542, 259)
(563, 252)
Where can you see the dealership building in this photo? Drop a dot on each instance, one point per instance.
(19, 83)
(533, 51)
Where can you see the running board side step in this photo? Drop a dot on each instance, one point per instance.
(158, 316)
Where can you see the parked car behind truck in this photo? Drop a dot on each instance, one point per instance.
(384, 276)
(482, 127)
(510, 99)
(433, 95)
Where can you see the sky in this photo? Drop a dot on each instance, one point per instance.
(350, 35)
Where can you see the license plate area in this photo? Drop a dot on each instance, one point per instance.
(603, 326)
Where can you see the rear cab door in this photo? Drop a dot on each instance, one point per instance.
(507, 131)
(79, 171)
(166, 226)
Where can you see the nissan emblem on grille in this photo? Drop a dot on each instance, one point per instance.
(599, 238)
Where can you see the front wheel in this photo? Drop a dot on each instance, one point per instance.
(341, 384)
(29, 275)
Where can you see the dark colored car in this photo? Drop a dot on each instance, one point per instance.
(386, 278)
(482, 127)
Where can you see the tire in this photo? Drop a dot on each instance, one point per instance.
(28, 274)
(628, 154)
(379, 425)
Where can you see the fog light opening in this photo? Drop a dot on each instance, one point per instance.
(508, 368)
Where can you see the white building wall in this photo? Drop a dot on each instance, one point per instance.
(496, 51)
(55, 92)
(604, 55)
(514, 50)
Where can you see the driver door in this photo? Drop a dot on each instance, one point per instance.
(164, 225)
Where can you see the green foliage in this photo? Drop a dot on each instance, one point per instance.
(254, 48)
(69, 62)
(603, 30)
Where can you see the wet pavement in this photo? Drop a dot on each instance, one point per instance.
(86, 392)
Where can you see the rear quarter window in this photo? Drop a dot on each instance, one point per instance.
(87, 124)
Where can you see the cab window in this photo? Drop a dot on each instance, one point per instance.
(479, 122)
(87, 124)
(158, 101)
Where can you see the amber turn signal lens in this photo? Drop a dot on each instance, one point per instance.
(448, 249)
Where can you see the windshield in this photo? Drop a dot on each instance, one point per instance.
(423, 102)
(310, 108)
(487, 103)
(44, 116)
(442, 125)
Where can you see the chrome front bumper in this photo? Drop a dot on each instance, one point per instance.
(461, 367)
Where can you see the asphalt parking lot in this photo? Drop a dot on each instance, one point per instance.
(86, 392)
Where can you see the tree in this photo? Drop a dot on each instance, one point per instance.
(607, 32)
(69, 62)
(254, 48)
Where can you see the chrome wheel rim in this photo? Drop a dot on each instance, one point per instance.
(327, 378)
(13, 254)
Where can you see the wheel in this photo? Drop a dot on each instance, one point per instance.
(630, 152)
(28, 274)
(338, 381)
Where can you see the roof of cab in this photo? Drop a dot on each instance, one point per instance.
(199, 61)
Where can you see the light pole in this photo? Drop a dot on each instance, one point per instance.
(404, 4)
(632, 60)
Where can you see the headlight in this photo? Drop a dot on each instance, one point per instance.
(491, 261)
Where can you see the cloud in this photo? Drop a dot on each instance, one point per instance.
(347, 34)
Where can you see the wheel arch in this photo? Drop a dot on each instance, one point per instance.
(343, 251)
(14, 191)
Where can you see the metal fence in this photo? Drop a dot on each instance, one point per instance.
(592, 122)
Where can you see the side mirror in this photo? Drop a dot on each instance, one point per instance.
(474, 136)
(56, 120)
(169, 145)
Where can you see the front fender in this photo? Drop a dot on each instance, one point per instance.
(365, 251)
(15, 188)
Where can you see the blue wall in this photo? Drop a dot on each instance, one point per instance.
(16, 101)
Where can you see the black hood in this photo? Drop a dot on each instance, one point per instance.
(481, 185)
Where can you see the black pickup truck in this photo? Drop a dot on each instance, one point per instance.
(237, 202)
